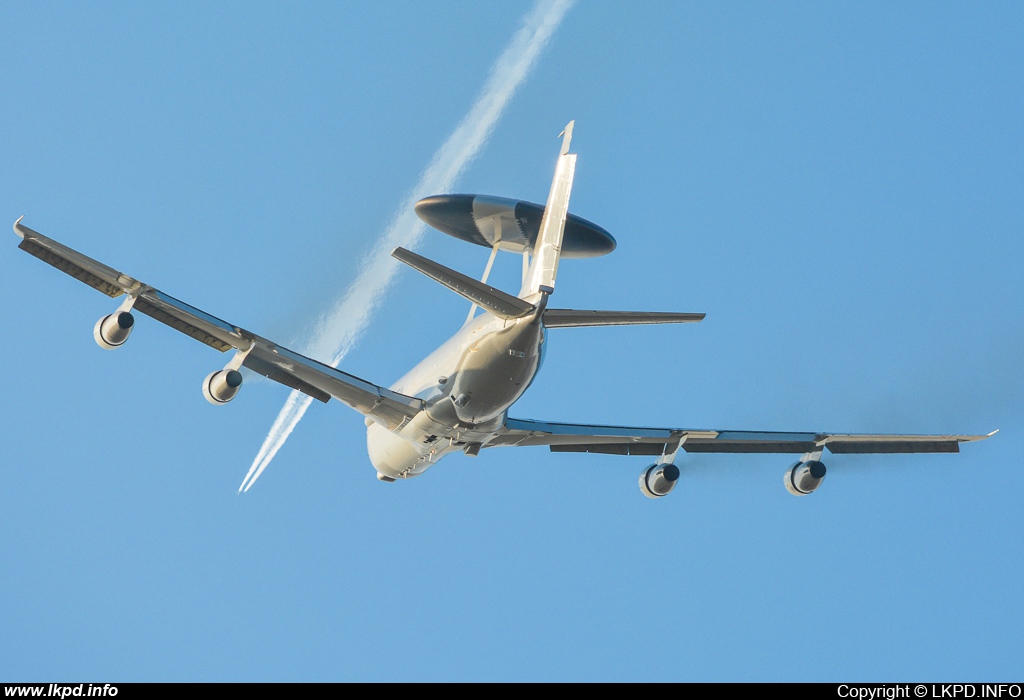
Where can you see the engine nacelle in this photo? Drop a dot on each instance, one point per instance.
(804, 477)
(658, 479)
(113, 330)
(222, 386)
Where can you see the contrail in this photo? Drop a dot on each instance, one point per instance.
(340, 328)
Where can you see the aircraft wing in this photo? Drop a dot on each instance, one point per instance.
(622, 440)
(262, 356)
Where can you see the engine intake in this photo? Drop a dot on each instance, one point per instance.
(113, 330)
(804, 477)
(658, 479)
(222, 386)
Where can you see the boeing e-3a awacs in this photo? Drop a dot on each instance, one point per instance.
(457, 399)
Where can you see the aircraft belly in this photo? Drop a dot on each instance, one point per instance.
(496, 371)
(422, 442)
(422, 379)
(389, 453)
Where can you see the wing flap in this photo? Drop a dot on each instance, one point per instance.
(191, 321)
(752, 442)
(895, 444)
(623, 440)
(747, 447)
(165, 316)
(32, 245)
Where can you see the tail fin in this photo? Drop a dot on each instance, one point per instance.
(544, 268)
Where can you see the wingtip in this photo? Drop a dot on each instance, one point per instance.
(20, 234)
(403, 255)
(975, 438)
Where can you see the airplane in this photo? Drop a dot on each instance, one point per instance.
(458, 398)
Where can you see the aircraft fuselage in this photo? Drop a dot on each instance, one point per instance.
(468, 384)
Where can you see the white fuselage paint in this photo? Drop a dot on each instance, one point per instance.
(486, 366)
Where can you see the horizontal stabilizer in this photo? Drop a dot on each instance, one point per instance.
(491, 298)
(572, 318)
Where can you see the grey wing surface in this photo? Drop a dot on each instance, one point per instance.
(575, 318)
(313, 378)
(623, 440)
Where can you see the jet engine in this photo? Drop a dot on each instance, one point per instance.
(658, 479)
(113, 330)
(804, 477)
(222, 386)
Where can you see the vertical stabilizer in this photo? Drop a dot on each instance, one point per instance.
(548, 248)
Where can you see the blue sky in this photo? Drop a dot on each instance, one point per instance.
(839, 188)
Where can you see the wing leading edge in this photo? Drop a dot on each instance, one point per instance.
(622, 440)
(316, 379)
